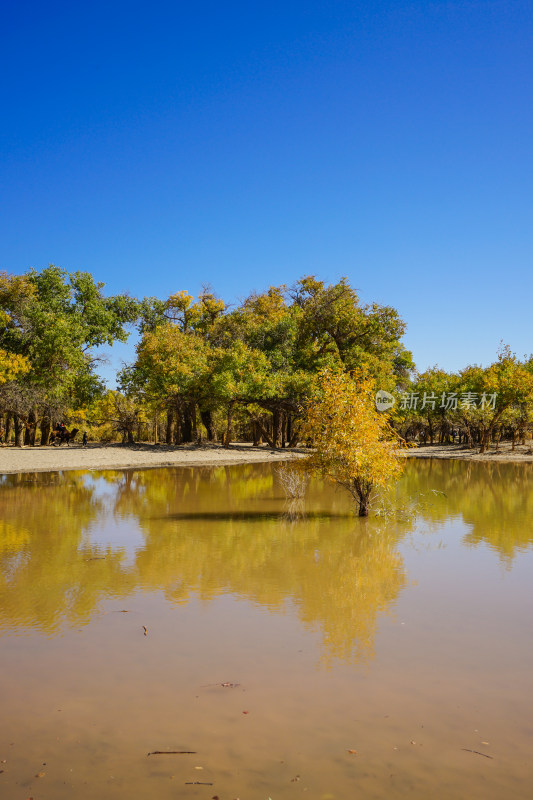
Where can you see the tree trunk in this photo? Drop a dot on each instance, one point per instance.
(186, 425)
(276, 428)
(177, 428)
(256, 433)
(262, 430)
(19, 431)
(194, 428)
(9, 425)
(363, 508)
(32, 420)
(171, 419)
(295, 436)
(207, 422)
(227, 436)
(45, 430)
(363, 490)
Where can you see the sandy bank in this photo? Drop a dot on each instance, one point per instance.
(521, 453)
(115, 456)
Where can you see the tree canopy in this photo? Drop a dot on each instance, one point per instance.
(205, 368)
(51, 325)
(354, 445)
(258, 362)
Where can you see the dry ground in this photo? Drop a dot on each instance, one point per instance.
(116, 456)
(521, 453)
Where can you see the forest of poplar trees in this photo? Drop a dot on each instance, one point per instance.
(208, 371)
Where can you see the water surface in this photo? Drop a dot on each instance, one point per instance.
(320, 656)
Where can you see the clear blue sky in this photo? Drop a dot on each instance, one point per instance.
(165, 145)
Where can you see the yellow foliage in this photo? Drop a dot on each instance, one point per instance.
(354, 445)
(180, 300)
(12, 366)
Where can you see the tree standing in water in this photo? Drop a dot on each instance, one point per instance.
(354, 445)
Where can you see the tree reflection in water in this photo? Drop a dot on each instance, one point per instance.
(226, 530)
(494, 499)
(206, 532)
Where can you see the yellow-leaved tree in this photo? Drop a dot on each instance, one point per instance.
(12, 366)
(353, 443)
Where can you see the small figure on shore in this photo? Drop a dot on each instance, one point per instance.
(84, 439)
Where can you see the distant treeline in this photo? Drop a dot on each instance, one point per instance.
(208, 371)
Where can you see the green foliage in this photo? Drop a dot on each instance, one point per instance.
(487, 399)
(263, 356)
(56, 321)
(172, 363)
(249, 368)
(253, 366)
(51, 324)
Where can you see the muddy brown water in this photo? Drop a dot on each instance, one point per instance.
(289, 655)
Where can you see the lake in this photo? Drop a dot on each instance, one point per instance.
(280, 650)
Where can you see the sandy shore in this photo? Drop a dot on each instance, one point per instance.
(115, 456)
(521, 453)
